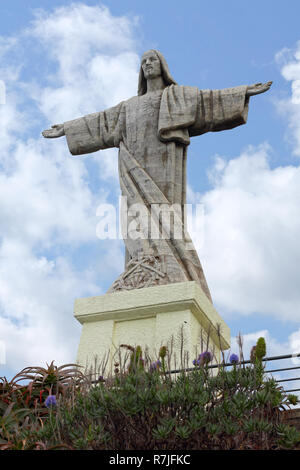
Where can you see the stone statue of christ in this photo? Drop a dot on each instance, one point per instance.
(152, 131)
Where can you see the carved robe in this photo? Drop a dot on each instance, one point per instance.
(152, 133)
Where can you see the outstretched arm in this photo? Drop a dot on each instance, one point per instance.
(219, 110)
(56, 131)
(92, 132)
(258, 88)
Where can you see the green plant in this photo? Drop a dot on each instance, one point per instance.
(261, 349)
(144, 407)
(148, 410)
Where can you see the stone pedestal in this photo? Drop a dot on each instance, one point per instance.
(150, 317)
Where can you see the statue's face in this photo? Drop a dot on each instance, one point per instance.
(151, 65)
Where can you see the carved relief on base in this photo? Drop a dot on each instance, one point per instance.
(141, 271)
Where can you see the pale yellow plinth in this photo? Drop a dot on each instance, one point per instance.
(149, 317)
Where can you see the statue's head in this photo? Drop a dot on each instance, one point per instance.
(153, 64)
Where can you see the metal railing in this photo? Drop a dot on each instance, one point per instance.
(266, 359)
(241, 363)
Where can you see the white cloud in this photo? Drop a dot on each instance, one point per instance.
(275, 348)
(251, 250)
(250, 254)
(95, 57)
(289, 62)
(51, 198)
(46, 196)
(37, 296)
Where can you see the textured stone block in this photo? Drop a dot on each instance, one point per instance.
(149, 317)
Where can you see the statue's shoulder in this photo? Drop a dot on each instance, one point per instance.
(131, 100)
(182, 88)
(181, 94)
(129, 104)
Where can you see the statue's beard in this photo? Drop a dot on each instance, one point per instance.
(150, 74)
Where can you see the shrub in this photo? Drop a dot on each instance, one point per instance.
(143, 407)
(24, 407)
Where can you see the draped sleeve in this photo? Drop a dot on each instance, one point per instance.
(187, 111)
(95, 131)
(219, 110)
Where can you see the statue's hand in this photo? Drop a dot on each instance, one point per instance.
(258, 88)
(56, 131)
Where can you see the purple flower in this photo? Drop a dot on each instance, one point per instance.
(50, 401)
(155, 365)
(234, 359)
(205, 357)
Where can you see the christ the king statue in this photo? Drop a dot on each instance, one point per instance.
(152, 131)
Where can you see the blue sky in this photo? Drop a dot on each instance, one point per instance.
(62, 59)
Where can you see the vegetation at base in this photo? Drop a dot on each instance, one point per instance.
(142, 406)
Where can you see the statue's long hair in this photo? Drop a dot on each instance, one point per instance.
(167, 77)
